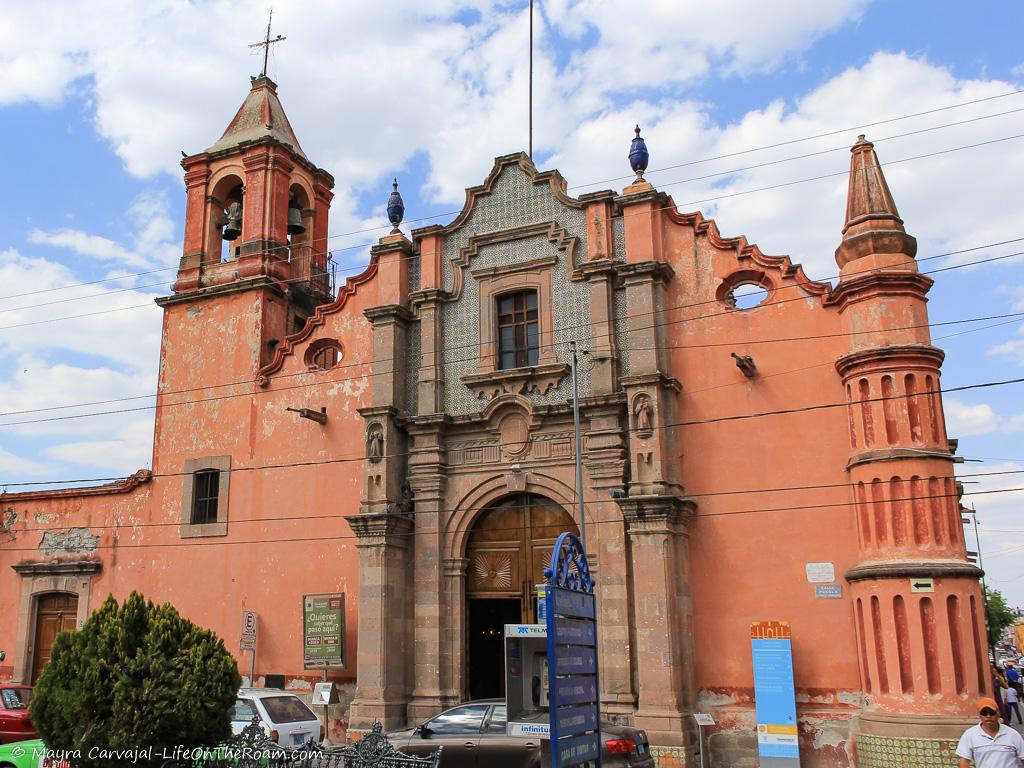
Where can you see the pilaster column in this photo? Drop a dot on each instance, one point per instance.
(430, 398)
(431, 688)
(662, 616)
(382, 542)
(454, 660)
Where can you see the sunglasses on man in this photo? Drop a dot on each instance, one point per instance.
(988, 712)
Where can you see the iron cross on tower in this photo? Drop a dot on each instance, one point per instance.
(266, 43)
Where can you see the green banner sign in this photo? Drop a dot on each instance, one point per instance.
(323, 630)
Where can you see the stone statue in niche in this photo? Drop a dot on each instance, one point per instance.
(643, 415)
(405, 506)
(375, 443)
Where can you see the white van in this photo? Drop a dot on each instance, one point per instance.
(285, 718)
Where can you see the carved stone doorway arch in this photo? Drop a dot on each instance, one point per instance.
(508, 548)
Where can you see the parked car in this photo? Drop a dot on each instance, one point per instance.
(15, 724)
(473, 734)
(285, 717)
(29, 754)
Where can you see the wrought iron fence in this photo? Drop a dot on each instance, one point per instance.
(252, 749)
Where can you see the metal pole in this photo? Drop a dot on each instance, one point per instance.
(579, 449)
(252, 666)
(988, 620)
(531, 81)
(327, 722)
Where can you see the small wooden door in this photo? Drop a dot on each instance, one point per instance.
(54, 613)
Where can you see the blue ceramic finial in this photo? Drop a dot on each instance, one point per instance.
(638, 156)
(396, 209)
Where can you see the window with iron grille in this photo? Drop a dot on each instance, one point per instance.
(205, 493)
(518, 330)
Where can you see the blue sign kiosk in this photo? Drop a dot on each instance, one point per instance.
(571, 619)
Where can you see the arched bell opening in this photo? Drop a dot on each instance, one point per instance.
(300, 232)
(507, 551)
(226, 206)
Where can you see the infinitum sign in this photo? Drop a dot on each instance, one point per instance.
(323, 630)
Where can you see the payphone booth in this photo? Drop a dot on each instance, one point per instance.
(526, 680)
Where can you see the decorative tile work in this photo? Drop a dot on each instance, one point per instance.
(515, 201)
(670, 757)
(413, 357)
(620, 331)
(619, 238)
(414, 272)
(895, 752)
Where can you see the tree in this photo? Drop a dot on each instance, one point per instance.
(135, 676)
(999, 614)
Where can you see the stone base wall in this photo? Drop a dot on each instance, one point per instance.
(732, 749)
(898, 752)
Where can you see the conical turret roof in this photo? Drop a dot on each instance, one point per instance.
(869, 198)
(260, 117)
(873, 225)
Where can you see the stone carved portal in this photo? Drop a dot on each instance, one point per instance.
(508, 549)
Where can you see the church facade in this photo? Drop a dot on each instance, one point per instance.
(408, 440)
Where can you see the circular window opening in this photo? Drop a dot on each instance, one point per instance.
(747, 295)
(323, 355)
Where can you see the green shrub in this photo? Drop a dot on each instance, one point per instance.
(135, 676)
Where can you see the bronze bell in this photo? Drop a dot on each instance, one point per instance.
(233, 225)
(295, 225)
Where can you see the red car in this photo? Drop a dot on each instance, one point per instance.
(15, 724)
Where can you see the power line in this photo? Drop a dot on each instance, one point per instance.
(649, 172)
(692, 496)
(570, 505)
(1013, 317)
(683, 181)
(248, 382)
(667, 425)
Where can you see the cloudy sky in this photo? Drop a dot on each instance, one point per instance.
(748, 109)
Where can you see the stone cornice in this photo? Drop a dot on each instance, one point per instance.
(514, 381)
(873, 284)
(376, 411)
(899, 454)
(640, 271)
(428, 296)
(127, 485)
(889, 357)
(394, 313)
(657, 378)
(57, 567)
(648, 509)
(381, 529)
(606, 269)
(237, 286)
(909, 569)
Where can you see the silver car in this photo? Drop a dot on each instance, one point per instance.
(473, 736)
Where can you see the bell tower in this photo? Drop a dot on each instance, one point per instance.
(252, 272)
(256, 217)
(917, 607)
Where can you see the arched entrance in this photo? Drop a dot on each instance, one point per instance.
(508, 549)
(54, 613)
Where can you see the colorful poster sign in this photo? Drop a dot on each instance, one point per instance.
(323, 630)
(771, 646)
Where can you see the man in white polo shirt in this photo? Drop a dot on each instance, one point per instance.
(990, 744)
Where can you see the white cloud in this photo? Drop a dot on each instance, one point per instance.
(963, 420)
(1012, 350)
(1016, 294)
(18, 466)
